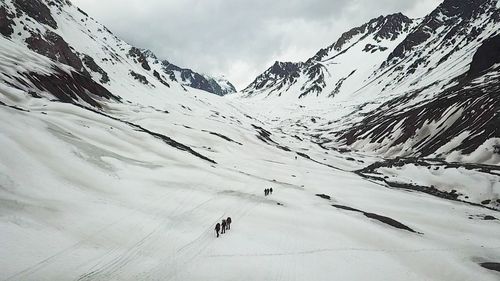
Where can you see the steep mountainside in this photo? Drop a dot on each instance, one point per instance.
(426, 87)
(339, 67)
(62, 32)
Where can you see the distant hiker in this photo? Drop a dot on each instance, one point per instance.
(228, 223)
(223, 229)
(295, 157)
(217, 228)
(271, 190)
(265, 192)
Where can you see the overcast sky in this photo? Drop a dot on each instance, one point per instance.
(240, 38)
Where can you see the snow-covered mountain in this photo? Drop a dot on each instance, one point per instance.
(116, 165)
(338, 67)
(409, 87)
(63, 32)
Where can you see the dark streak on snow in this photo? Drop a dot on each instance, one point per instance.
(383, 219)
(222, 137)
(324, 196)
(264, 135)
(14, 107)
(491, 266)
(164, 138)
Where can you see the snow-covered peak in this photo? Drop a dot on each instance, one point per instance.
(381, 28)
(65, 33)
(359, 49)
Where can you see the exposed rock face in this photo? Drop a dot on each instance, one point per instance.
(140, 57)
(139, 77)
(455, 18)
(195, 80)
(37, 10)
(158, 76)
(277, 77)
(53, 46)
(92, 65)
(469, 111)
(6, 22)
(486, 56)
(71, 88)
(388, 27)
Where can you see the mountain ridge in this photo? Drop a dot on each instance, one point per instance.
(42, 30)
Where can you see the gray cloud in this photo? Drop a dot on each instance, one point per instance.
(239, 38)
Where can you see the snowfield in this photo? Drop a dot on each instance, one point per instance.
(88, 197)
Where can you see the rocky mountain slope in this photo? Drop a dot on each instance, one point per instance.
(423, 87)
(63, 32)
(338, 67)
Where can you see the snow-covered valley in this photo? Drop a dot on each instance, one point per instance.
(86, 197)
(116, 165)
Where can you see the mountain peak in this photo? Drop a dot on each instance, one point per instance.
(382, 27)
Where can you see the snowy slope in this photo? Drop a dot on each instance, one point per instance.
(341, 67)
(398, 87)
(104, 200)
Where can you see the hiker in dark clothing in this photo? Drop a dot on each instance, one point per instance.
(271, 190)
(223, 230)
(265, 192)
(228, 223)
(217, 228)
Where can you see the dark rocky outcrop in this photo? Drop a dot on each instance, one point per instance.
(278, 76)
(140, 57)
(388, 27)
(487, 55)
(36, 10)
(264, 135)
(92, 65)
(374, 48)
(324, 196)
(6, 22)
(495, 266)
(53, 46)
(158, 76)
(222, 137)
(218, 89)
(70, 87)
(195, 80)
(141, 78)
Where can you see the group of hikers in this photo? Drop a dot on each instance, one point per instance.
(268, 191)
(226, 225)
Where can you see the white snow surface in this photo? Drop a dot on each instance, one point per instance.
(85, 197)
